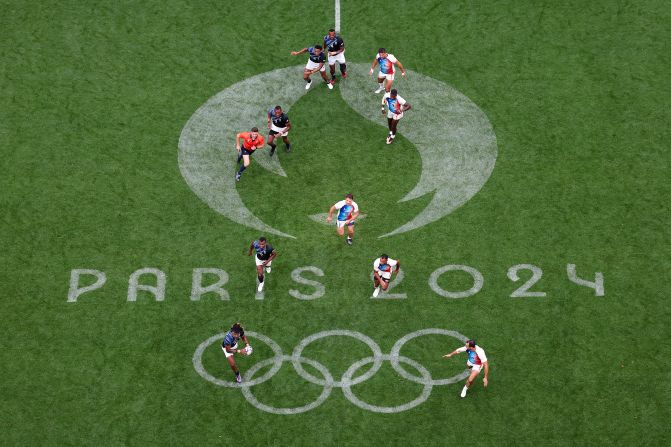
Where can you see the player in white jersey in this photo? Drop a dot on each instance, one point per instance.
(386, 62)
(383, 267)
(395, 106)
(348, 211)
(477, 359)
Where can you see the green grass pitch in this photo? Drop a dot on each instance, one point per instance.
(93, 99)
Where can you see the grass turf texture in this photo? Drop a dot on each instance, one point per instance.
(94, 97)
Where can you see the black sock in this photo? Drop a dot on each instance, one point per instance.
(272, 147)
(239, 157)
(308, 80)
(242, 168)
(343, 69)
(288, 145)
(260, 279)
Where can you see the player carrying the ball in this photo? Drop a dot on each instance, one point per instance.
(383, 267)
(278, 126)
(395, 106)
(251, 141)
(230, 347)
(386, 62)
(476, 360)
(315, 64)
(265, 253)
(348, 211)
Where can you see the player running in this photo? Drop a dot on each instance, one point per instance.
(335, 48)
(386, 74)
(395, 105)
(265, 253)
(251, 142)
(383, 267)
(476, 360)
(278, 125)
(315, 64)
(348, 211)
(230, 347)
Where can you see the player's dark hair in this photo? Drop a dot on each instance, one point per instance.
(262, 239)
(237, 328)
(278, 108)
(394, 91)
(471, 343)
(318, 47)
(381, 50)
(255, 129)
(349, 196)
(331, 30)
(384, 256)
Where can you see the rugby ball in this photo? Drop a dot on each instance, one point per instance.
(248, 350)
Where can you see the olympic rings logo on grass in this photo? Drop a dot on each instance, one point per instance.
(327, 381)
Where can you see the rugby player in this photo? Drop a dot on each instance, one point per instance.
(315, 64)
(386, 75)
(230, 347)
(278, 125)
(348, 211)
(395, 105)
(383, 267)
(251, 141)
(335, 48)
(265, 253)
(477, 359)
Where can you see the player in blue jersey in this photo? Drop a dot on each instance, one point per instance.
(386, 62)
(477, 359)
(335, 47)
(348, 211)
(278, 126)
(315, 64)
(265, 253)
(230, 347)
(395, 106)
(383, 267)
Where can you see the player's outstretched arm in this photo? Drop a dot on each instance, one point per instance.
(237, 141)
(251, 247)
(296, 53)
(372, 67)
(447, 356)
(331, 211)
(400, 65)
(398, 266)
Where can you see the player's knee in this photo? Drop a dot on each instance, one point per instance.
(384, 285)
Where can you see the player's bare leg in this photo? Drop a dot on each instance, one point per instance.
(389, 125)
(245, 163)
(234, 367)
(387, 87)
(259, 275)
(380, 82)
(273, 146)
(350, 234)
(326, 79)
(393, 124)
(306, 78)
(469, 382)
(332, 70)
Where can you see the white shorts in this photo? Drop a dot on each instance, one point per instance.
(341, 223)
(339, 58)
(388, 77)
(395, 116)
(228, 354)
(474, 367)
(312, 65)
(281, 131)
(260, 262)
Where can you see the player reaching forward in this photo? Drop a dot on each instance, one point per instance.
(395, 105)
(251, 142)
(476, 360)
(383, 267)
(336, 52)
(265, 253)
(315, 64)
(278, 125)
(348, 211)
(386, 75)
(230, 347)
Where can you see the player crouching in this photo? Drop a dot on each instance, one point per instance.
(383, 267)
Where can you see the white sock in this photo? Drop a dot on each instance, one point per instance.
(463, 392)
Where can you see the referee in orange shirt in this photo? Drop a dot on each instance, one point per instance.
(251, 142)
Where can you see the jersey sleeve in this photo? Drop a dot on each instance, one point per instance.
(384, 98)
(339, 205)
(391, 58)
(341, 42)
(356, 207)
(376, 264)
(400, 99)
(462, 349)
(262, 140)
(481, 353)
(392, 262)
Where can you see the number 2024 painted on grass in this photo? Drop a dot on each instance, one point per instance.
(198, 289)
